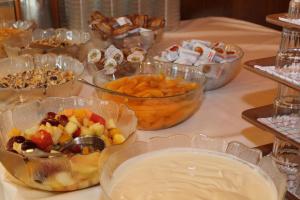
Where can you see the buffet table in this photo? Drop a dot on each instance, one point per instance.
(220, 112)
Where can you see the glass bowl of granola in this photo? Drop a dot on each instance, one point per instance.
(34, 76)
(39, 140)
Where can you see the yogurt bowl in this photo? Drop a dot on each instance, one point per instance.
(189, 167)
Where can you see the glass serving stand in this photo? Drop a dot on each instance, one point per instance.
(281, 118)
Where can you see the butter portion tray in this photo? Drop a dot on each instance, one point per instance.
(269, 61)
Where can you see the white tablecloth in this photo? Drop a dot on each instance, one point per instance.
(220, 113)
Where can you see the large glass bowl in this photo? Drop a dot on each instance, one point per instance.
(73, 40)
(116, 156)
(217, 74)
(9, 96)
(58, 173)
(24, 27)
(155, 112)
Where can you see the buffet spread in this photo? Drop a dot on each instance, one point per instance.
(65, 142)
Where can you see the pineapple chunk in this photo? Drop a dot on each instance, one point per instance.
(74, 120)
(56, 134)
(97, 129)
(118, 139)
(30, 131)
(14, 132)
(46, 127)
(87, 122)
(111, 124)
(86, 131)
(17, 147)
(114, 131)
(71, 127)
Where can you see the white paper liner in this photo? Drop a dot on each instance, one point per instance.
(272, 71)
(286, 125)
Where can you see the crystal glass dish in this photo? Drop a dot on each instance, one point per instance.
(58, 41)
(116, 163)
(11, 29)
(11, 65)
(217, 74)
(58, 173)
(155, 112)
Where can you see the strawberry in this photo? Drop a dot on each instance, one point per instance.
(76, 133)
(42, 139)
(97, 119)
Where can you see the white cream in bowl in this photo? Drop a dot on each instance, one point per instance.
(189, 174)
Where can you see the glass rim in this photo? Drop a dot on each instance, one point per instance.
(282, 101)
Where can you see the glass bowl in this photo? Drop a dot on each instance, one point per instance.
(59, 173)
(155, 112)
(9, 96)
(23, 28)
(72, 42)
(217, 74)
(116, 162)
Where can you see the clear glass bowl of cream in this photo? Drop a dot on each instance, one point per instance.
(189, 166)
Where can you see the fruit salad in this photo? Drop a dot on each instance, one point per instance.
(52, 134)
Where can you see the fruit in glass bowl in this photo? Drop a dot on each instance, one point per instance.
(52, 124)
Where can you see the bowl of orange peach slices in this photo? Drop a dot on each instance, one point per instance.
(161, 96)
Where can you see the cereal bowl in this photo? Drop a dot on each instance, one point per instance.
(57, 172)
(189, 166)
(157, 108)
(40, 63)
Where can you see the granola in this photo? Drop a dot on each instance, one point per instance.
(51, 42)
(39, 77)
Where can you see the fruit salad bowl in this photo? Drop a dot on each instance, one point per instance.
(49, 124)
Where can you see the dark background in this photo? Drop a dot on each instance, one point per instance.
(249, 10)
